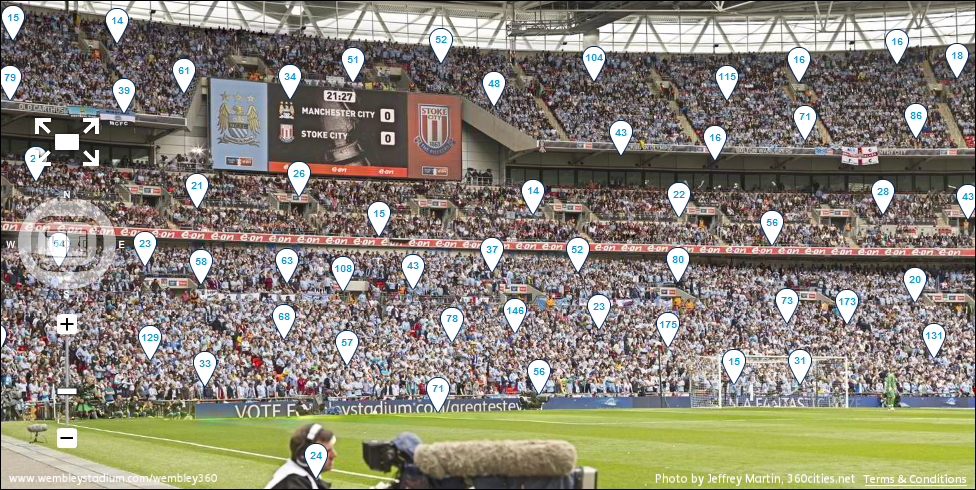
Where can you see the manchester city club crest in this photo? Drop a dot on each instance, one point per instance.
(434, 136)
(286, 110)
(238, 123)
(286, 133)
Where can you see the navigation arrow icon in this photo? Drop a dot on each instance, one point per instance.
(39, 125)
(93, 123)
(92, 160)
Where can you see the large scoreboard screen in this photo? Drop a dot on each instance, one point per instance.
(336, 131)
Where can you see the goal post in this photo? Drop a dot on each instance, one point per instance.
(767, 381)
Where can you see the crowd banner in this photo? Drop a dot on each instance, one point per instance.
(859, 155)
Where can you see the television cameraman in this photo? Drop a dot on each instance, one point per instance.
(295, 474)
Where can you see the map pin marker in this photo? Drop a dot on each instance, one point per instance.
(200, 262)
(734, 362)
(539, 372)
(13, 20)
(599, 308)
(916, 115)
(298, 175)
(915, 280)
(494, 85)
(342, 269)
(379, 215)
(957, 55)
(149, 339)
(316, 455)
(117, 20)
(197, 186)
(934, 335)
(578, 249)
(620, 134)
(441, 41)
(36, 160)
(714, 140)
(787, 301)
(413, 269)
(667, 326)
(515, 310)
(145, 245)
(3, 342)
(772, 225)
(678, 262)
(353, 60)
(532, 193)
(289, 76)
(284, 318)
(679, 194)
(184, 70)
(883, 192)
(57, 247)
(805, 117)
(124, 91)
(491, 251)
(800, 363)
(205, 364)
(452, 319)
(897, 42)
(287, 261)
(799, 60)
(347, 342)
(10, 81)
(437, 391)
(727, 78)
(966, 197)
(847, 303)
(593, 59)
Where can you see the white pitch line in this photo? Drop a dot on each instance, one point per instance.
(245, 453)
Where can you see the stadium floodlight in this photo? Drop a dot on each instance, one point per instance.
(766, 382)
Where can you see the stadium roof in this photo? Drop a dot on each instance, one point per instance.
(659, 26)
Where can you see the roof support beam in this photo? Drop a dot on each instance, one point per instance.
(169, 16)
(632, 34)
(769, 34)
(657, 36)
(240, 16)
(286, 15)
(700, 34)
(206, 16)
(355, 27)
(724, 37)
(934, 30)
(501, 22)
(789, 30)
(382, 24)
(454, 29)
(840, 27)
(433, 17)
(857, 27)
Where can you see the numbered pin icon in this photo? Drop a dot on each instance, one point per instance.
(620, 134)
(298, 175)
(124, 90)
(883, 192)
(492, 250)
(197, 186)
(896, 40)
(289, 76)
(11, 81)
(353, 60)
(36, 160)
(679, 195)
(734, 361)
(287, 261)
(494, 84)
(934, 336)
(727, 78)
(539, 372)
(915, 280)
(714, 140)
(413, 269)
(578, 249)
(799, 60)
(847, 302)
(805, 117)
(117, 21)
(532, 193)
(13, 20)
(667, 326)
(787, 301)
(205, 364)
(145, 245)
(599, 308)
(283, 317)
(57, 247)
(772, 225)
(515, 311)
(437, 391)
(800, 363)
(452, 319)
(916, 115)
(347, 343)
(957, 55)
(678, 260)
(342, 269)
(379, 216)
(593, 59)
(149, 339)
(200, 263)
(316, 455)
(965, 196)
(441, 41)
(183, 71)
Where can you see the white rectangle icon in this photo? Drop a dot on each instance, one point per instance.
(66, 142)
(387, 138)
(67, 391)
(67, 438)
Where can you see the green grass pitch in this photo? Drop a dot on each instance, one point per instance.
(628, 447)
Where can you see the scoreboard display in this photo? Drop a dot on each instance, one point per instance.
(336, 131)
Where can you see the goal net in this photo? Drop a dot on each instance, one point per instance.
(767, 381)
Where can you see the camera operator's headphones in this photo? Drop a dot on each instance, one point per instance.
(313, 434)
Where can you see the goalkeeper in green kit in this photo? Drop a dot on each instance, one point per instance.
(890, 390)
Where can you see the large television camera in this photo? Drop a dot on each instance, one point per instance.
(547, 465)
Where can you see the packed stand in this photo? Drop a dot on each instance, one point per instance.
(961, 93)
